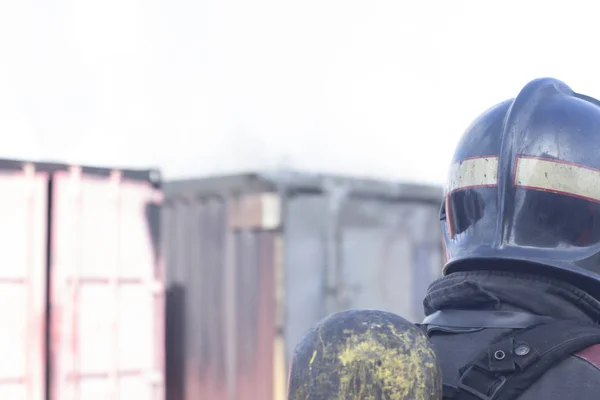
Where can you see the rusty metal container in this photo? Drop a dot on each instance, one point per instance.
(253, 260)
(81, 283)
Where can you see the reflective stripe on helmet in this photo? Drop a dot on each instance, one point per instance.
(558, 177)
(473, 172)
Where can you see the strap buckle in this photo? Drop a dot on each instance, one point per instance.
(497, 382)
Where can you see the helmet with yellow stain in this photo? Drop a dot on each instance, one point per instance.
(364, 355)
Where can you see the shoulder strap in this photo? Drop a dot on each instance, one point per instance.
(512, 364)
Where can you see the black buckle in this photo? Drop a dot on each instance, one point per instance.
(499, 382)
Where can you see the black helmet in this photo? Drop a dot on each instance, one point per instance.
(523, 189)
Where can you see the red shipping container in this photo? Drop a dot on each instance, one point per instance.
(107, 289)
(83, 276)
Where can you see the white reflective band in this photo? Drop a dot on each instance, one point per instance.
(558, 177)
(473, 172)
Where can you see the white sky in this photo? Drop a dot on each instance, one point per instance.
(371, 87)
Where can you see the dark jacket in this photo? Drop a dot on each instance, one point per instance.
(576, 378)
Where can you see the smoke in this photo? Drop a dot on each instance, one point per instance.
(379, 88)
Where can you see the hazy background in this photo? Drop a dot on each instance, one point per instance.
(371, 87)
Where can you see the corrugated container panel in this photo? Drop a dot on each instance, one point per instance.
(23, 205)
(205, 343)
(209, 354)
(255, 314)
(107, 288)
(254, 260)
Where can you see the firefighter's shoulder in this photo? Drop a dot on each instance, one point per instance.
(577, 377)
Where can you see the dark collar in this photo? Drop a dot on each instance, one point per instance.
(509, 291)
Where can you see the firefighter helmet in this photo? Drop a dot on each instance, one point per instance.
(523, 190)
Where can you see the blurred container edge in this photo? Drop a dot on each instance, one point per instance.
(254, 259)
